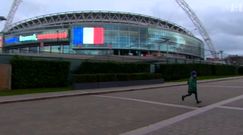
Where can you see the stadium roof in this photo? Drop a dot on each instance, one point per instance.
(69, 18)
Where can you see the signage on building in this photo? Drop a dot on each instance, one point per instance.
(50, 36)
(44, 35)
(11, 40)
(28, 38)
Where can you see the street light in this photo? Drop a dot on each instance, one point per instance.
(2, 18)
(221, 54)
(161, 41)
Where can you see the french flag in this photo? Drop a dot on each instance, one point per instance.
(88, 35)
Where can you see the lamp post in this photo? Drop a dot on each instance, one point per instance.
(2, 18)
(161, 41)
(221, 54)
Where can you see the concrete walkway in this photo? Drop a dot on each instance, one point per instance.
(138, 110)
(50, 95)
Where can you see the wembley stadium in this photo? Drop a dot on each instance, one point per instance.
(101, 33)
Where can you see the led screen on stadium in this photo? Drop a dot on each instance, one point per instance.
(45, 35)
(53, 35)
(11, 40)
(87, 35)
(50, 35)
(28, 38)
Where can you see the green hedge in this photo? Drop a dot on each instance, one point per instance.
(27, 73)
(83, 78)
(180, 71)
(240, 70)
(112, 67)
(225, 70)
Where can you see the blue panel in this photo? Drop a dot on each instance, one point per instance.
(77, 36)
(12, 40)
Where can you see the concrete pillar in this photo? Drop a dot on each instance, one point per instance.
(5, 76)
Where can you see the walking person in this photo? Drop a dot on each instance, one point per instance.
(192, 86)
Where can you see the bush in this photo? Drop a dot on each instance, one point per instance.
(225, 70)
(27, 73)
(112, 67)
(84, 78)
(181, 71)
(240, 70)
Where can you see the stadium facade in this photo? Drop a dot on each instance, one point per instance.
(101, 33)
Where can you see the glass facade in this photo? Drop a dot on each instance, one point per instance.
(126, 39)
(108, 39)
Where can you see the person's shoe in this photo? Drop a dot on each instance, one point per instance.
(198, 102)
(182, 98)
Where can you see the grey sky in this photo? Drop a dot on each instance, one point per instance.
(222, 18)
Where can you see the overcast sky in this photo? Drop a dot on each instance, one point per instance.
(223, 19)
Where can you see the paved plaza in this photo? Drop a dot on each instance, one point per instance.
(150, 111)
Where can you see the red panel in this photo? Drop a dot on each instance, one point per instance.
(98, 36)
(1, 41)
(52, 36)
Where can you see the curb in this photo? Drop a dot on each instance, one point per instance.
(76, 93)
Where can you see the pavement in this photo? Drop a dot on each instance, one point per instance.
(50, 95)
(136, 110)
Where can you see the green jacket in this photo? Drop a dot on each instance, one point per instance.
(192, 84)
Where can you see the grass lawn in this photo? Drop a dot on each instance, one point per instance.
(31, 91)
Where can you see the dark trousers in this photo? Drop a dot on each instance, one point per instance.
(190, 93)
